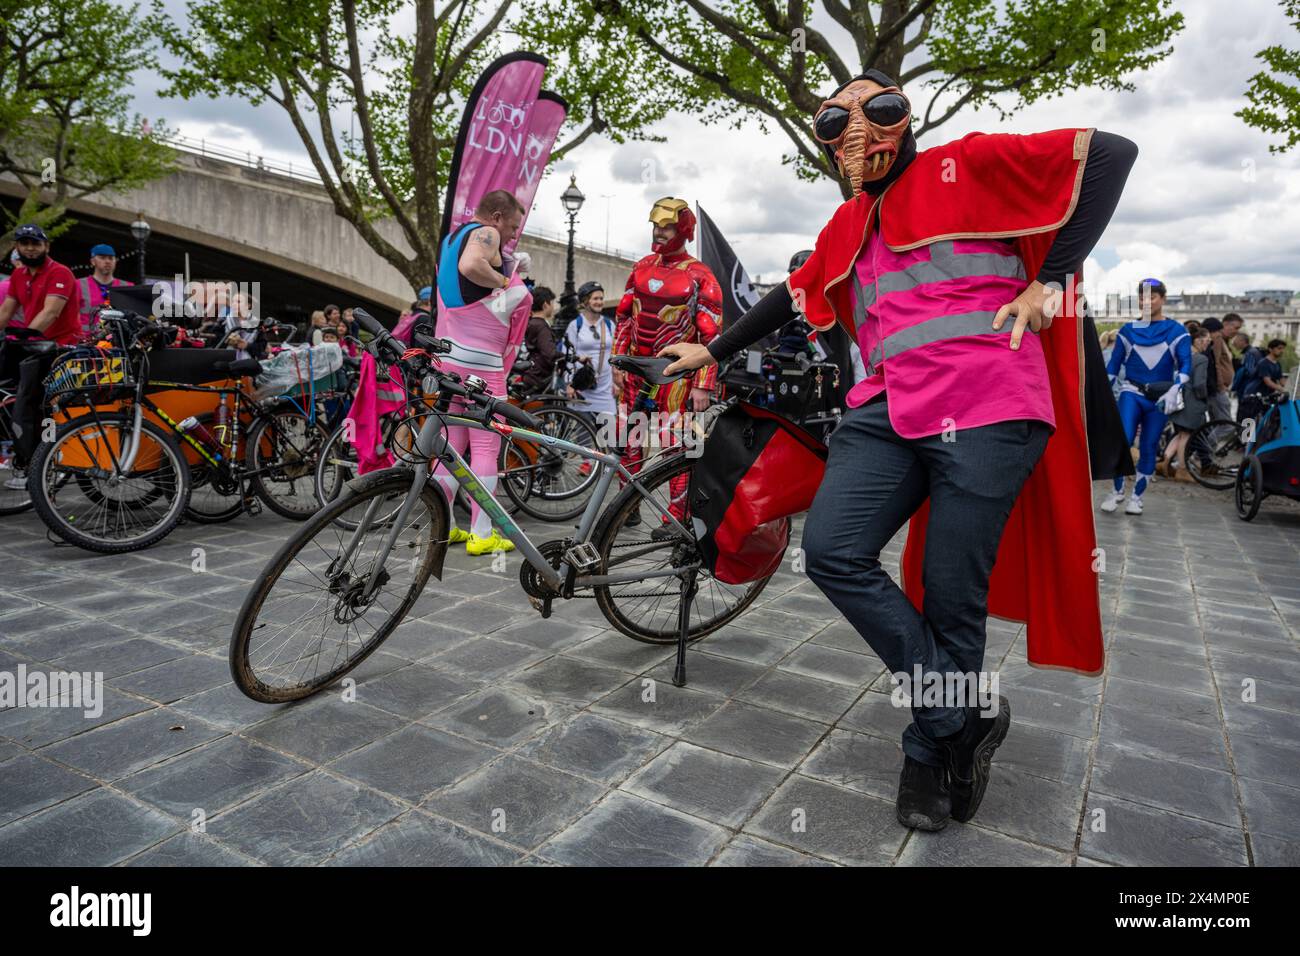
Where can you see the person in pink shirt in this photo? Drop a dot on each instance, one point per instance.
(955, 411)
(94, 287)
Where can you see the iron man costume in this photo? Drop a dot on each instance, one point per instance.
(670, 297)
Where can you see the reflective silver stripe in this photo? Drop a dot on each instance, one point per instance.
(474, 358)
(389, 395)
(939, 329)
(864, 297)
(945, 264)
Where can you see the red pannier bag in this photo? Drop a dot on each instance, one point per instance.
(757, 470)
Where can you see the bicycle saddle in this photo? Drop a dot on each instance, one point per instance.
(240, 367)
(37, 346)
(649, 368)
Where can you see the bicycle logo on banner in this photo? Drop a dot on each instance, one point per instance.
(503, 113)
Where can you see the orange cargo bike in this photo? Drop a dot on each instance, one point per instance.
(145, 436)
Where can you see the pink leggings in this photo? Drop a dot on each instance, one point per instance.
(484, 448)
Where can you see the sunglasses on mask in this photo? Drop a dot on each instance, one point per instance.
(883, 109)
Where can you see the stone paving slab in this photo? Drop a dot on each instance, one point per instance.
(480, 734)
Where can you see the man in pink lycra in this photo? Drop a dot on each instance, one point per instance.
(483, 314)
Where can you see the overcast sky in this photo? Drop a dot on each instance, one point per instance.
(1207, 207)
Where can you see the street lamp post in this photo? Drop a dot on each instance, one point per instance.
(141, 229)
(572, 198)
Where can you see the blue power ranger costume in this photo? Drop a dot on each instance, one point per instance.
(1156, 358)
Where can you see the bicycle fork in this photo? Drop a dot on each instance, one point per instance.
(132, 447)
(424, 445)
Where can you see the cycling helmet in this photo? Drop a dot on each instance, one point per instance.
(587, 288)
(799, 258)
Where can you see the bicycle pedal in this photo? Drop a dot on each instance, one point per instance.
(582, 555)
(252, 506)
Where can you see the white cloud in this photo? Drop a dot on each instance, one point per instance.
(1189, 214)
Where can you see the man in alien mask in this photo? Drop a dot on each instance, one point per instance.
(954, 271)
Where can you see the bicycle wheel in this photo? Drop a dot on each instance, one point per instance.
(127, 511)
(306, 622)
(12, 500)
(336, 466)
(215, 498)
(648, 610)
(1250, 488)
(283, 450)
(1213, 454)
(559, 483)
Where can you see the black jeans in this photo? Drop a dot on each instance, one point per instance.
(24, 372)
(875, 480)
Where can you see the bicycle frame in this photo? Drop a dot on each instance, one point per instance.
(141, 402)
(433, 445)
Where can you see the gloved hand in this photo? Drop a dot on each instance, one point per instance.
(1172, 400)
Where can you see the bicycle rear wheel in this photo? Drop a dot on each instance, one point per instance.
(336, 466)
(216, 497)
(548, 483)
(123, 511)
(307, 620)
(648, 610)
(1214, 453)
(284, 447)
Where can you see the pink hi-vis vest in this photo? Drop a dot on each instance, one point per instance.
(924, 322)
(485, 335)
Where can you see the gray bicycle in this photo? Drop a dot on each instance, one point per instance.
(351, 574)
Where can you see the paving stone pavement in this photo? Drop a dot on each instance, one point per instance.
(483, 735)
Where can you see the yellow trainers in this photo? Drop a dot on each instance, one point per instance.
(493, 542)
(458, 535)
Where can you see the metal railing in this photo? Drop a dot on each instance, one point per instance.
(308, 174)
(246, 158)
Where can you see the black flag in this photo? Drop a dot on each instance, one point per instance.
(738, 296)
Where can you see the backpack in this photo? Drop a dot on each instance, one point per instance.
(757, 469)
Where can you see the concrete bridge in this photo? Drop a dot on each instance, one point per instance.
(244, 221)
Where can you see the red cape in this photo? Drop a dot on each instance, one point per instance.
(1013, 187)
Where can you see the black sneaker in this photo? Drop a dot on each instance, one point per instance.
(969, 753)
(634, 518)
(665, 532)
(923, 801)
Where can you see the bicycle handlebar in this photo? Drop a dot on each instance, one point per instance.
(384, 340)
(489, 403)
(396, 354)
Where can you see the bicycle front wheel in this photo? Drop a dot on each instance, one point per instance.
(106, 507)
(547, 482)
(1214, 453)
(312, 614)
(625, 538)
(1249, 488)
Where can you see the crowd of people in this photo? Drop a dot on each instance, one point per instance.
(1185, 374)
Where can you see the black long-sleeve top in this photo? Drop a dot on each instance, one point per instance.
(1110, 157)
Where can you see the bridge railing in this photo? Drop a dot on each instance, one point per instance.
(308, 174)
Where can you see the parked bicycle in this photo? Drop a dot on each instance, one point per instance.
(542, 480)
(116, 475)
(349, 576)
